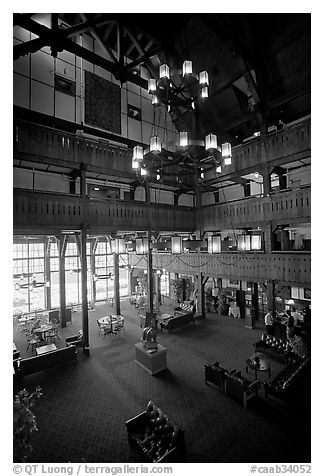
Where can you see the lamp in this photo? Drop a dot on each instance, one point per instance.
(227, 153)
(141, 246)
(187, 67)
(152, 86)
(164, 71)
(211, 142)
(184, 140)
(155, 144)
(214, 244)
(176, 245)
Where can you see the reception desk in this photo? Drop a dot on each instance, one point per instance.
(152, 362)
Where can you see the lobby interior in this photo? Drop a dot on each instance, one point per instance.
(161, 167)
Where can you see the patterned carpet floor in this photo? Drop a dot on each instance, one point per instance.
(81, 415)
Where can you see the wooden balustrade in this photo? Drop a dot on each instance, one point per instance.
(44, 211)
(291, 143)
(294, 268)
(51, 144)
(291, 205)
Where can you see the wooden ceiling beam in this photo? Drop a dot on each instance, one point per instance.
(59, 40)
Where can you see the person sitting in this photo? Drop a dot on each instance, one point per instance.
(268, 320)
(297, 316)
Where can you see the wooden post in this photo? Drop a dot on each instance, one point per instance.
(47, 275)
(150, 277)
(93, 247)
(61, 244)
(81, 241)
(116, 283)
(270, 284)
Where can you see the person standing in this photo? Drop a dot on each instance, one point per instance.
(290, 326)
(268, 320)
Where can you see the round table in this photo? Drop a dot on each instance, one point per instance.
(42, 329)
(262, 365)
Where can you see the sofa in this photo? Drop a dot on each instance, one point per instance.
(46, 361)
(178, 320)
(240, 388)
(273, 347)
(283, 386)
(155, 436)
(215, 374)
(76, 340)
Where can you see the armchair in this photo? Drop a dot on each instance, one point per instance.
(238, 387)
(215, 374)
(156, 436)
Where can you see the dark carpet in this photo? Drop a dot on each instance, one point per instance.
(81, 415)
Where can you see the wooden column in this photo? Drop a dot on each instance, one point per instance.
(61, 244)
(81, 241)
(47, 275)
(266, 182)
(93, 247)
(83, 180)
(268, 237)
(116, 283)
(150, 277)
(270, 284)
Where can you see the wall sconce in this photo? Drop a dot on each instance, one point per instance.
(141, 246)
(176, 245)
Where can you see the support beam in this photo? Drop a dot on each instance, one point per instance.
(61, 244)
(116, 283)
(82, 244)
(61, 42)
(47, 275)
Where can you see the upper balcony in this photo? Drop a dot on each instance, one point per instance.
(34, 142)
(45, 212)
(286, 206)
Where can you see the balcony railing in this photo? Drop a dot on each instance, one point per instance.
(286, 267)
(279, 207)
(293, 142)
(44, 211)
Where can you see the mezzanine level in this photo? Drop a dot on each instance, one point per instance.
(285, 206)
(291, 268)
(45, 212)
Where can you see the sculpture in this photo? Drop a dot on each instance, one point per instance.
(149, 338)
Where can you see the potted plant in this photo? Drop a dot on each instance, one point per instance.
(24, 424)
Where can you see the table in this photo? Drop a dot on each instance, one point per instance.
(45, 348)
(42, 329)
(153, 362)
(262, 366)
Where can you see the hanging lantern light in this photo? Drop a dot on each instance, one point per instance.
(211, 142)
(152, 86)
(219, 169)
(164, 71)
(119, 245)
(135, 164)
(184, 140)
(155, 100)
(187, 67)
(256, 242)
(204, 92)
(202, 175)
(155, 144)
(141, 246)
(158, 177)
(203, 78)
(214, 244)
(143, 171)
(227, 153)
(138, 153)
(176, 245)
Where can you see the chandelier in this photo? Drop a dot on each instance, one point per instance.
(183, 89)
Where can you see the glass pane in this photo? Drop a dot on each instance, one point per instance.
(55, 289)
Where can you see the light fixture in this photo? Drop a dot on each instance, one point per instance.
(164, 71)
(219, 169)
(203, 78)
(204, 92)
(155, 144)
(184, 139)
(290, 302)
(138, 153)
(141, 246)
(135, 164)
(143, 171)
(227, 153)
(187, 67)
(176, 245)
(152, 86)
(211, 142)
(256, 175)
(244, 243)
(155, 100)
(96, 188)
(214, 244)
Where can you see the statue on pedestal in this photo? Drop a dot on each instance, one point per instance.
(149, 338)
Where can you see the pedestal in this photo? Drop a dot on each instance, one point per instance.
(152, 362)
